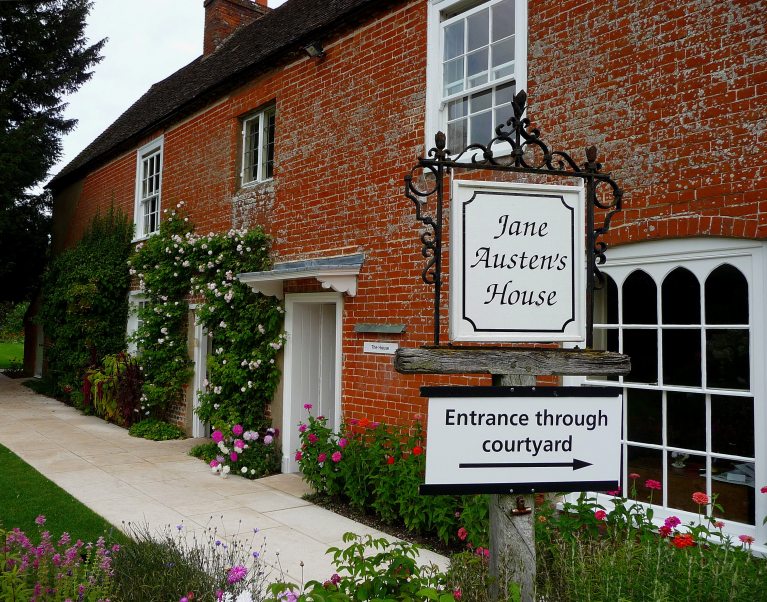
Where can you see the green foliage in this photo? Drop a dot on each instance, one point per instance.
(114, 389)
(245, 327)
(172, 564)
(12, 321)
(85, 301)
(156, 430)
(378, 467)
(371, 569)
(44, 55)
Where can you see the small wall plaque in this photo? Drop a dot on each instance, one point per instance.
(382, 348)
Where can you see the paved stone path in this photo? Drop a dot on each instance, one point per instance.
(125, 479)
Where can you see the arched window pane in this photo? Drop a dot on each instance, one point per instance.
(726, 296)
(639, 299)
(606, 302)
(681, 298)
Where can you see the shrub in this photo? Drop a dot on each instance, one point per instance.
(371, 569)
(114, 390)
(379, 467)
(248, 453)
(173, 564)
(156, 430)
(12, 321)
(85, 300)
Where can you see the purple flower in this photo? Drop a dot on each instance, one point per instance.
(342, 442)
(335, 579)
(40, 520)
(213, 463)
(672, 521)
(307, 406)
(267, 439)
(236, 574)
(233, 456)
(302, 428)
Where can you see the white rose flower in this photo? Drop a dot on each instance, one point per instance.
(244, 470)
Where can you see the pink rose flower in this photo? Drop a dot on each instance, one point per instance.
(237, 430)
(342, 442)
(322, 457)
(313, 438)
(462, 534)
(233, 456)
(336, 457)
(217, 436)
(299, 456)
(600, 515)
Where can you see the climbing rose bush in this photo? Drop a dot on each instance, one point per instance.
(247, 453)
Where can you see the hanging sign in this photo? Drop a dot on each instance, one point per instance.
(522, 439)
(517, 262)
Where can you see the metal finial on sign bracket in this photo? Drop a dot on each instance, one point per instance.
(529, 154)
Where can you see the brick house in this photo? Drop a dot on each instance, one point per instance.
(314, 148)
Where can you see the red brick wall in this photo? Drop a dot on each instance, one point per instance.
(673, 95)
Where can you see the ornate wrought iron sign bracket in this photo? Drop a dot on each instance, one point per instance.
(528, 155)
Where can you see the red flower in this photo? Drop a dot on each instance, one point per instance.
(719, 524)
(462, 533)
(683, 540)
(364, 422)
(600, 515)
(390, 459)
(700, 498)
(664, 531)
(764, 489)
(652, 484)
(746, 539)
(634, 475)
(417, 450)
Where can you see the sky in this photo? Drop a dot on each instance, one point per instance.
(147, 41)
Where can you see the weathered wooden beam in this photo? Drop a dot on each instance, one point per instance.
(510, 360)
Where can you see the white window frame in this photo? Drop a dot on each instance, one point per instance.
(436, 109)
(154, 148)
(136, 300)
(750, 257)
(261, 120)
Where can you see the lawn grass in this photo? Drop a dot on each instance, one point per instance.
(11, 352)
(26, 494)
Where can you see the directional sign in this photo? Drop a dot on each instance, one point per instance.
(522, 439)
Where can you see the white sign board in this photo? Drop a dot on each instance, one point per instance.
(522, 439)
(517, 262)
(376, 347)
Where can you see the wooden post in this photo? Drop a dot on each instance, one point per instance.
(512, 535)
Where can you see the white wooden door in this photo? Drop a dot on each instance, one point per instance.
(201, 351)
(312, 372)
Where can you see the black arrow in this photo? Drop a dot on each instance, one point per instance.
(576, 464)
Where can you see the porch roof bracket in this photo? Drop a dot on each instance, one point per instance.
(336, 273)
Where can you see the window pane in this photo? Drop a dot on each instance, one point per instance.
(686, 475)
(478, 26)
(504, 94)
(642, 347)
(681, 357)
(645, 417)
(733, 484)
(454, 40)
(503, 52)
(503, 19)
(727, 361)
(453, 76)
(481, 127)
(481, 101)
(639, 299)
(686, 420)
(606, 303)
(476, 71)
(648, 464)
(681, 298)
(726, 296)
(456, 135)
(732, 425)
(457, 108)
(268, 167)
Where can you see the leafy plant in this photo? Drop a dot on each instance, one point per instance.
(115, 389)
(85, 301)
(371, 569)
(248, 453)
(156, 430)
(199, 565)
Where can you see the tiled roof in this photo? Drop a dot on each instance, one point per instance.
(253, 48)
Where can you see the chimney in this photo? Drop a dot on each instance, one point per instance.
(222, 17)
